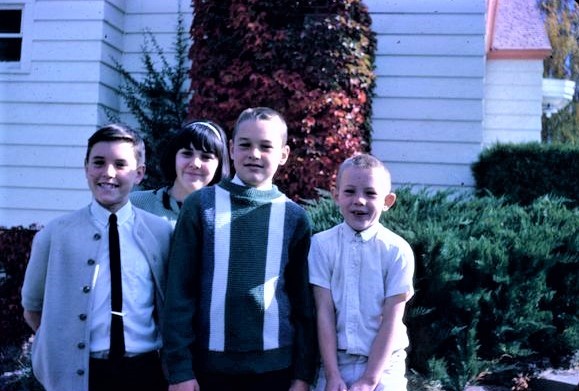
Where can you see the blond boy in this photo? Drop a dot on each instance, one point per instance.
(240, 312)
(361, 274)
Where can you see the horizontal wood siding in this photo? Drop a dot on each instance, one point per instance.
(427, 118)
(428, 104)
(48, 112)
(513, 101)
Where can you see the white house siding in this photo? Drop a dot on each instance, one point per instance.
(427, 118)
(513, 97)
(50, 108)
(428, 109)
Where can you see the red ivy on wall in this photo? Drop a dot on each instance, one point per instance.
(311, 60)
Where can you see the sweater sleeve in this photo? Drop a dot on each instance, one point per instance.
(180, 304)
(35, 277)
(305, 349)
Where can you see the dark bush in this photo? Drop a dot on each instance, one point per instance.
(15, 244)
(524, 172)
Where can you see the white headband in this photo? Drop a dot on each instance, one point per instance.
(213, 129)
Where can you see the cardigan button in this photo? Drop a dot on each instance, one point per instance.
(91, 262)
(86, 289)
(82, 316)
(96, 236)
(80, 372)
(81, 345)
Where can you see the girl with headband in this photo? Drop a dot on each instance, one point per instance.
(196, 157)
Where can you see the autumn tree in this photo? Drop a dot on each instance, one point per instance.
(562, 24)
(311, 60)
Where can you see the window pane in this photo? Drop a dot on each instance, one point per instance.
(10, 49)
(10, 21)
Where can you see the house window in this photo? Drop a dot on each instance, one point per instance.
(10, 35)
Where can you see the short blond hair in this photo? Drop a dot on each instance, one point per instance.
(362, 160)
(261, 114)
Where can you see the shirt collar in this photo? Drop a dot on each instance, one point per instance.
(102, 214)
(365, 235)
(238, 181)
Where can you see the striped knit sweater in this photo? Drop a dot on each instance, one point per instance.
(238, 273)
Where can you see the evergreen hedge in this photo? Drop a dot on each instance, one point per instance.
(524, 172)
(492, 279)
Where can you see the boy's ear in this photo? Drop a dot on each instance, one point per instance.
(389, 200)
(335, 193)
(230, 150)
(285, 151)
(140, 173)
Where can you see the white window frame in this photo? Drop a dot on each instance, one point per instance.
(22, 66)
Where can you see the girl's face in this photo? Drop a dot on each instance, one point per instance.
(195, 169)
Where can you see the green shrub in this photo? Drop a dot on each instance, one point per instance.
(491, 279)
(524, 172)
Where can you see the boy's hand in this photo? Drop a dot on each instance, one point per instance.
(299, 385)
(362, 385)
(189, 385)
(336, 384)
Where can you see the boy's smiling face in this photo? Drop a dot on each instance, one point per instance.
(257, 151)
(111, 172)
(362, 195)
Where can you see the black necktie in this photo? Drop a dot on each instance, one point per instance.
(117, 347)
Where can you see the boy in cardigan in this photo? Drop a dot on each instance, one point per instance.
(240, 312)
(362, 275)
(67, 294)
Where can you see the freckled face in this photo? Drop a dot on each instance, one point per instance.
(111, 172)
(362, 196)
(257, 151)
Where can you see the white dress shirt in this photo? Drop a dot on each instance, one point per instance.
(141, 332)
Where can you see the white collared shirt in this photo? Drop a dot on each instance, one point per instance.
(141, 332)
(361, 269)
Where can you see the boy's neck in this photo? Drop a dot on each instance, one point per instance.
(265, 186)
(371, 228)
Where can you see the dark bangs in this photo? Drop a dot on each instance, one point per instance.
(201, 135)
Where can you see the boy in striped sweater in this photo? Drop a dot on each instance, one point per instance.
(239, 309)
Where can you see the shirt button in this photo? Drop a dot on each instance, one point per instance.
(80, 372)
(81, 345)
(91, 262)
(82, 316)
(97, 236)
(86, 289)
